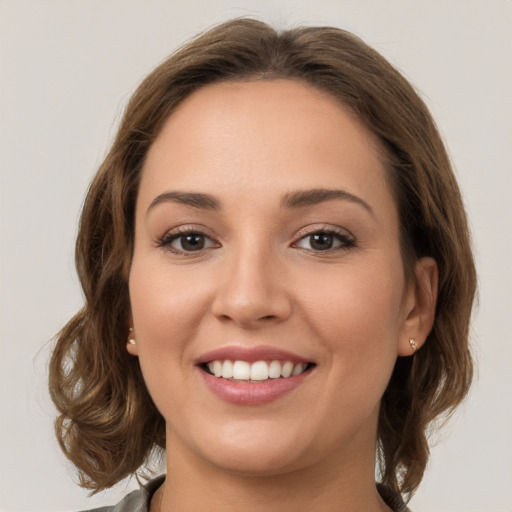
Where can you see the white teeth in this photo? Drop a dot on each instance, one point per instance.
(274, 370)
(217, 368)
(287, 369)
(258, 371)
(241, 370)
(298, 369)
(227, 369)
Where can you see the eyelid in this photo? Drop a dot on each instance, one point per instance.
(347, 238)
(324, 228)
(170, 235)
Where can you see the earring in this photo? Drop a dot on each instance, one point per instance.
(131, 339)
(412, 342)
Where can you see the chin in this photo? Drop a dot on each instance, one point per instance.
(256, 451)
(262, 463)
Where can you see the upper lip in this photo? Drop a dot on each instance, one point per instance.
(250, 354)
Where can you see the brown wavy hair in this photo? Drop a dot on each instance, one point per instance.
(107, 424)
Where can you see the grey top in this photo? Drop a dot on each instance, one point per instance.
(138, 501)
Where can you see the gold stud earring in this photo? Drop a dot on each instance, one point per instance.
(413, 344)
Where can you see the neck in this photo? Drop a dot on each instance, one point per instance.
(196, 485)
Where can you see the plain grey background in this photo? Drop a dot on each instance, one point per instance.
(67, 69)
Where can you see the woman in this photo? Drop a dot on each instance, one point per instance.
(278, 282)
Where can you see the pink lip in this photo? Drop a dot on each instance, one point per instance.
(250, 354)
(257, 393)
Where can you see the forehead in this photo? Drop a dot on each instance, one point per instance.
(264, 135)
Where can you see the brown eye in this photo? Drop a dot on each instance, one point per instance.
(187, 242)
(321, 241)
(190, 242)
(324, 241)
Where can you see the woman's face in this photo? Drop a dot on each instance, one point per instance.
(267, 240)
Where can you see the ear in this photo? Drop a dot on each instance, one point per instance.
(420, 306)
(131, 342)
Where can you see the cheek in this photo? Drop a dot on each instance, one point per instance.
(356, 314)
(165, 308)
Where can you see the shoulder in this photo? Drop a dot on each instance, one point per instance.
(136, 501)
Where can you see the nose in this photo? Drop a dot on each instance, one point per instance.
(252, 291)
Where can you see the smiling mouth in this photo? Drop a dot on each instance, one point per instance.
(258, 371)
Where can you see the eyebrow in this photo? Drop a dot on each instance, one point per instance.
(194, 199)
(291, 200)
(305, 198)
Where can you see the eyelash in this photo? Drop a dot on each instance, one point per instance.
(346, 241)
(166, 241)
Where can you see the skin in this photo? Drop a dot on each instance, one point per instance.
(260, 281)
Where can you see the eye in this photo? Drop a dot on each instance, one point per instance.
(190, 242)
(324, 241)
(187, 242)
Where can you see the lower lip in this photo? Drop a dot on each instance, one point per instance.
(252, 393)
